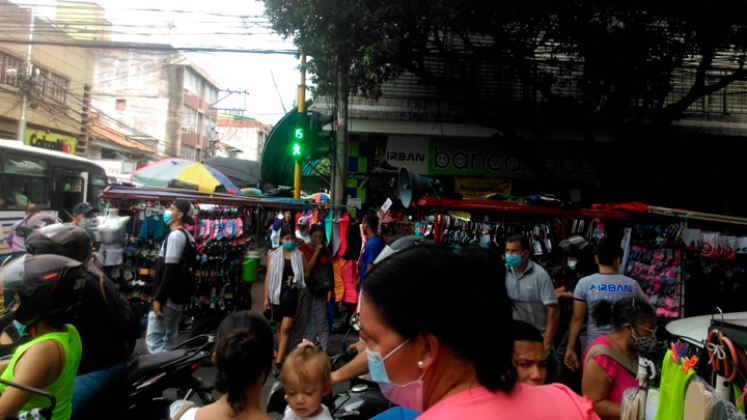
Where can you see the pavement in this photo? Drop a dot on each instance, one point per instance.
(207, 374)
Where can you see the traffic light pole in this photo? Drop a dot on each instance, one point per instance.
(301, 110)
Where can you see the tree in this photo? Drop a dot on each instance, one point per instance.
(618, 63)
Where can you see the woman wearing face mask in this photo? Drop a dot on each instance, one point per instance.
(426, 359)
(311, 320)
(611, 361)
(285, 278)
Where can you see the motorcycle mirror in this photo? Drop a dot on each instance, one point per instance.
(356, 322)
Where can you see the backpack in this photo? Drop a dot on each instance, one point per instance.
(188, 266)
(126, 318)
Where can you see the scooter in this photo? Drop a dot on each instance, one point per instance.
(362, 401)
(148, 376)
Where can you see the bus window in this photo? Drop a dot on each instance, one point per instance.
(72, 191)
(98, 183)
(27, 181)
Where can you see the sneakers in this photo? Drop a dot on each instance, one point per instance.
(277, 369)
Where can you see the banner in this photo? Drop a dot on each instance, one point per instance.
(50, 141)
(480, 187)
(409, 152)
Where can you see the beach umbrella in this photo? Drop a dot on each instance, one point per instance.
(184, 174)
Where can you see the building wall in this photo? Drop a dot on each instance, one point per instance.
(150, 95)
(68, 66)
(247, 135)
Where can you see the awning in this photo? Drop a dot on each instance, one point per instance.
(102, 131)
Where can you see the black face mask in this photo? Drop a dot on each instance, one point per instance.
(644, 346)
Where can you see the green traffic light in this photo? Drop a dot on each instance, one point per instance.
(296, 149)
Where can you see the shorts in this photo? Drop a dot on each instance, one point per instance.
(289, 303)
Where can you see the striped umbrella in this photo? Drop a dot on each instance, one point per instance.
(318, 197)
(164, 173)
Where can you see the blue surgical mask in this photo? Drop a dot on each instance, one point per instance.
(513, 260)
(20, 327)
(289, 245)
(409, 395)
(572, 264)
(167, 216)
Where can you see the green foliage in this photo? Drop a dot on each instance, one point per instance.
(620, 56)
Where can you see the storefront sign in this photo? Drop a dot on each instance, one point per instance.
(480, 187)
(50, 141)
(116, 167)
(409, 152)
(469, 157)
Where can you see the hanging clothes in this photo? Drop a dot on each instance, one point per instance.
(327, 222)
(354, 243)
(344, 224)
(673, 383)
(337, 264)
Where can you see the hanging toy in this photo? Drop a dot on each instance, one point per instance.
(599, 231)
(418, 229)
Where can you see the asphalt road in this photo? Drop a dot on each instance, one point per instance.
(208, 373)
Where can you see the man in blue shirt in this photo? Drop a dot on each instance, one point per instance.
(374, 245)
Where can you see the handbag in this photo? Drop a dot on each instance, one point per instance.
(321, 281)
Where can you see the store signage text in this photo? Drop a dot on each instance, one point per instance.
(50, 141)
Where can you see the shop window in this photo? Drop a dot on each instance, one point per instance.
(121, 104)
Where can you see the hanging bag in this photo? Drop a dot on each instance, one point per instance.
(321, 281)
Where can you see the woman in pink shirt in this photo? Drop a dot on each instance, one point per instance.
(605, 379)
(429, 358)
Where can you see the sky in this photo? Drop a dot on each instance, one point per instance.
(270, 79)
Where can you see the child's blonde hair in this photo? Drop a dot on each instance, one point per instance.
(308, 363)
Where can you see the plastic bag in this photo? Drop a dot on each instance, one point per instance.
(701, 402)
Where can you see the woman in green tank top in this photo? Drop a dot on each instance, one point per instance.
(47, 289)
(49, 362)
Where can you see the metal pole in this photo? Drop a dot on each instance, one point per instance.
(26, 86)
(301, 110)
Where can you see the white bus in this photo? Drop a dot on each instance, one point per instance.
(54, 181)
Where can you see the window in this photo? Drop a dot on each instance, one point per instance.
(121, 104)
(190, 120)
(108, 154)
(10, 68)
(187, 152)
(192, 82)
(208, 128)
(98, 183)
(58, 88)
(27, 180)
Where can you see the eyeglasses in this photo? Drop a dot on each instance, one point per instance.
(652, 331)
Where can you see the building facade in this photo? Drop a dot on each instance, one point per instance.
(241, 137)
(158, 96)
(57, 89)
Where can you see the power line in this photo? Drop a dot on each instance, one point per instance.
(151, 47)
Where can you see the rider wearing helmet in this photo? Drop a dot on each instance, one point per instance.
(48, 290)
(102, 327)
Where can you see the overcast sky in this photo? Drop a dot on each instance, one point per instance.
(214, 23)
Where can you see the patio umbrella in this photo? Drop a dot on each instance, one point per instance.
(184, 173)
(243, 173)
(318, 197)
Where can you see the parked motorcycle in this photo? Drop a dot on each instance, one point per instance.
(149, 376)
(362, 401)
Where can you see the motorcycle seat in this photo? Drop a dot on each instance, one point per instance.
(142, 366)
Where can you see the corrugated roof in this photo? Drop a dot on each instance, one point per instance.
(103, 131)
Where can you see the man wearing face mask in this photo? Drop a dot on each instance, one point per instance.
(174, 278)
(531, 290)
(605, 286)
(83, 216)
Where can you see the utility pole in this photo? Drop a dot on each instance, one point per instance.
(27, 83)
(301, 111)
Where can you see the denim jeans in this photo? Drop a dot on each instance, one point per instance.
(162, 332)
(94, 391)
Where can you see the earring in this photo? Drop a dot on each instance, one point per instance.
(421, 364)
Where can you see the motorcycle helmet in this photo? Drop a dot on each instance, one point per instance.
(58, 239)
(400, 244)
(46, 286)
(576, 245)
(34, 223)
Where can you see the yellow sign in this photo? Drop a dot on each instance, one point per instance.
(480, 187)
(50, 141)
